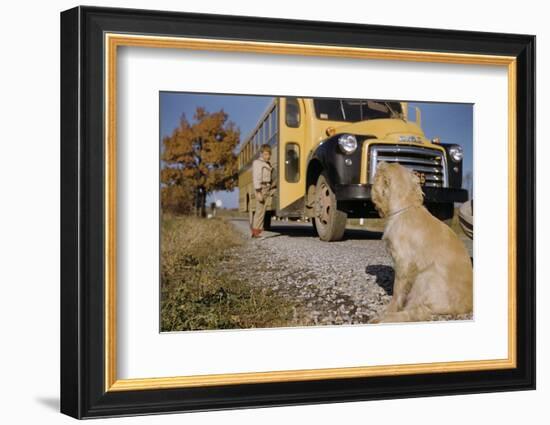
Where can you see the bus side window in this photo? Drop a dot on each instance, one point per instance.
(292, 162)
(275, 117)
(292, 116)
(262, 133)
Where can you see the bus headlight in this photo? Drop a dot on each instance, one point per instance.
(347, 143)
(456, 153)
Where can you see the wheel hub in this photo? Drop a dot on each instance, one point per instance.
(322, 206)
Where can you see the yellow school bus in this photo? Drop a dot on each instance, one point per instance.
(324, 156)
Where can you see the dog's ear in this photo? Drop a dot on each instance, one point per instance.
(416, 191)
(381, 188)
(382, 177)
(381, 169)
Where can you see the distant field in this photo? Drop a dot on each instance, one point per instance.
(222, 212)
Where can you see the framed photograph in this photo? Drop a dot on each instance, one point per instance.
(261, 212)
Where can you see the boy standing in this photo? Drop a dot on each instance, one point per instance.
(261, 179)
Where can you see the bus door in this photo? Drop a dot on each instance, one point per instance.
(291, 178)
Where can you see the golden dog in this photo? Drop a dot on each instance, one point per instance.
(433, 271)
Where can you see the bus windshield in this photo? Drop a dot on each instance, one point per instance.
(350, 110)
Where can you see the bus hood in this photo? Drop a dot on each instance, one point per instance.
(384, 129)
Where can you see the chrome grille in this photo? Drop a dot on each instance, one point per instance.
(430, 162)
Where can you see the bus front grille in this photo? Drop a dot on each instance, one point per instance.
(430, 164)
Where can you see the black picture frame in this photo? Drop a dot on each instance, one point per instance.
(83, 392)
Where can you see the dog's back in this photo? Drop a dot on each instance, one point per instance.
(444, 279)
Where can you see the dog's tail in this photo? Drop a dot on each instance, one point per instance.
(414, 314)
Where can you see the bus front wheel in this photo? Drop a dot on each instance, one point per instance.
(329, 222)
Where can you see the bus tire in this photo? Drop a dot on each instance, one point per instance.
(330, 223)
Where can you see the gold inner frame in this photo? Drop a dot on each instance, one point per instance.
(113, 41)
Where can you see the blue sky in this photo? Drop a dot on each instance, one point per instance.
(452, 122)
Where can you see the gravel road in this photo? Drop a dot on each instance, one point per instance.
(339, 282)
(349, 281)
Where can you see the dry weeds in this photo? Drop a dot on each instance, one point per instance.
(196, 295)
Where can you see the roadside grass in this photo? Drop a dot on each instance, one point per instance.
(196, 294)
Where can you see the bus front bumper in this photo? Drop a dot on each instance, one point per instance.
(362, 192)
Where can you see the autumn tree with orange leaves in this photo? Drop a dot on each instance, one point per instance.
(198, 159)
